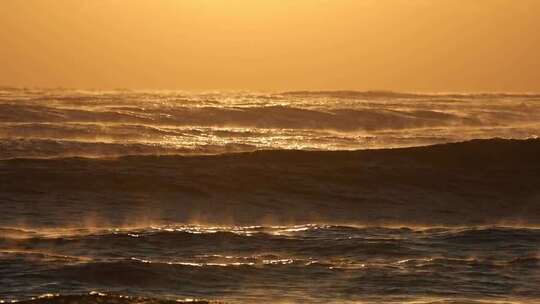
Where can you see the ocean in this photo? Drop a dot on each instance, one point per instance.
(292, 197)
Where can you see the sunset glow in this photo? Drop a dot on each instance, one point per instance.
(401, 45)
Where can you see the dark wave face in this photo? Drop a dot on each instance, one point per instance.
(482, 182)
(52, 123)
(308, 263)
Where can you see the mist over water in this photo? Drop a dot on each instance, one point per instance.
(136, 197)
(52, 123)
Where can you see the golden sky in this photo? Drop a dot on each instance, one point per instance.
(402, 45)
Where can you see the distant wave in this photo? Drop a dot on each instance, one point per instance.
(52, 148)
(60, 123)
(255, 117)
(392, 94)
(336, 93)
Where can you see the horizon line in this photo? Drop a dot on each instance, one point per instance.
(291, 91)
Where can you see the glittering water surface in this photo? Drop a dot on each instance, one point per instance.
(96, 123)
(307, 263)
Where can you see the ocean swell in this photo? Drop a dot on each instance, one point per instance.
(477, 182)
(202, 123)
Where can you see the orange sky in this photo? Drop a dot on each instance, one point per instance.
(403, 45)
